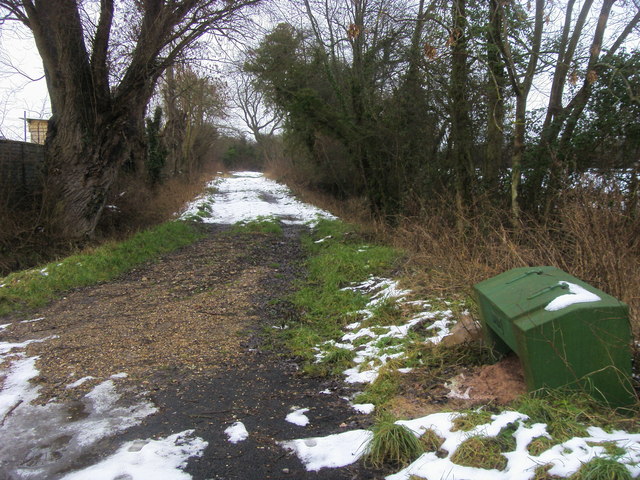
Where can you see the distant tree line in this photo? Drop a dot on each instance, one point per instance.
(398, 101)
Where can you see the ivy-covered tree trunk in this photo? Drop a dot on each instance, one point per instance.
(495, 101)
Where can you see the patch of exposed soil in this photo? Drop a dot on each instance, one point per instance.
(499, 384)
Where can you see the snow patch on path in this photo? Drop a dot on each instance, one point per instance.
(333, 451)
(161, 459)
(298, 417)
(237, 432)
(47, 438)
(246, 196)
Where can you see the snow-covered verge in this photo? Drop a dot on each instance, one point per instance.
(563, 459)
(375, 345)
(246, 196)
(47, 439)
(370, 343)
(161, 459)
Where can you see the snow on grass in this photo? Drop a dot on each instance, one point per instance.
(379, 348)
(577, 295)
(369, 342)
(333, 451)
(237, 432)
(565, 459)
(161, 459)
(248, 195)
(298, 417)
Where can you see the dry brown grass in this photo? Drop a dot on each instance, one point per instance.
(20, 235)
(594, 239)
(25, 242)
(139, 206)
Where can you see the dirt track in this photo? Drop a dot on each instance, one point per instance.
(189, 332)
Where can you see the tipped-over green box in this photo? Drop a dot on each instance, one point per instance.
(565, 332)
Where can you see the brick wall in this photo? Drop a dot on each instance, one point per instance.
(20, 167)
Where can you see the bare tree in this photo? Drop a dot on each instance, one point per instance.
(562, 115)
(100, 80)
(192, 102)
(255, 112)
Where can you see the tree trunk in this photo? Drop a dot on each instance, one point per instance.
(460, 117)
(79, 172)
(521, 85)
(516, 158)
(495, 101)
(95, 122)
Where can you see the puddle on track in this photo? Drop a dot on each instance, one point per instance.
(46, 441)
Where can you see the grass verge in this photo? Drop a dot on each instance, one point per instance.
(33, 288)
(338, 257)
(567, 413)
(264, 225)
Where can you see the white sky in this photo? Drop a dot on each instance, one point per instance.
(20, 64)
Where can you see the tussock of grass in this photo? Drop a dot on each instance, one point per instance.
(542, 473)
(336, 361)
(601, 468)
(33, 288)
(387, 312)
(383, 389)
(539, 445)
(471, 420)
(431, 441)
(480, 452)
(392, 444)
(506, 437)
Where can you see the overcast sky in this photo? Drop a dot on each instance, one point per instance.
(22, 86)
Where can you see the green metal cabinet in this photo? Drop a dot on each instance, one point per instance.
(565, 332)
